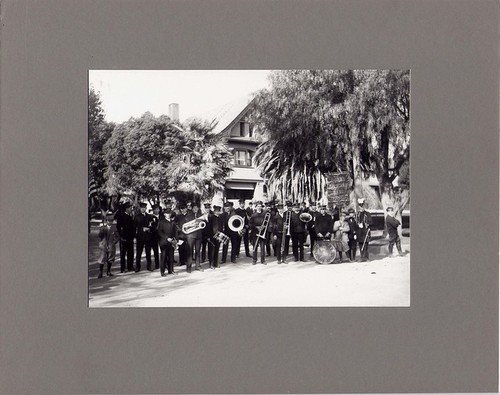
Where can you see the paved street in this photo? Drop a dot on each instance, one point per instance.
(384, 281)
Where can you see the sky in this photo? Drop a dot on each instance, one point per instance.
(130, 93)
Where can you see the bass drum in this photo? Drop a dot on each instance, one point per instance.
(324, 252)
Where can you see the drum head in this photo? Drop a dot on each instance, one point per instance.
(324, 252)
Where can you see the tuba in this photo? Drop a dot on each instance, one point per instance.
(305, 217)
(236, 223)
(196, 224)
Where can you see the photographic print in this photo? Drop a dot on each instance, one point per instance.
(249, 188)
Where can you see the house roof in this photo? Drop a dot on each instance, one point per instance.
(227, 114)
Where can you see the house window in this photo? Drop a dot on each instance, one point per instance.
(243, 158)
(245, 129)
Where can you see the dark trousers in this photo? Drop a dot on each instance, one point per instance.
(167, 258)
(156, 253)
(262, 244)
(394, 239)
(244, 238)
(268, 245)
(246, 242)
(213, 252)
(183, 252)
(351, 254)
(194, 251)
(204, 243)
(298, 246)
(313, 237)
(281, 255)
(146, 245)
(126, 250)
(234, 248)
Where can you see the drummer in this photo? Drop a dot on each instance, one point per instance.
(323, 224)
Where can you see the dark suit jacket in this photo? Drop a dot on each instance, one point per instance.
(125, 226)
(166, 229)
(141, 222)
(324, 224)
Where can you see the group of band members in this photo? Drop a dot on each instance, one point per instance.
(162, 232)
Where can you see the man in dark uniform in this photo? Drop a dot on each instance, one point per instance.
(352, 235)
(194, 240)
(392, 228)
(143, 233)
(126, 230)
(311, 226)
(206, 232)
(298, 233)
(215, 226)
(364, 221)
(225, 218)
(167, 233)
(184, 253)
(324, 224)
(256, 221)
(244, 233)
(154, 230)
(278, 231)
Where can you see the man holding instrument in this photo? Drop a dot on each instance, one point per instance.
(279, 234)
(256, 222)
(364, 221)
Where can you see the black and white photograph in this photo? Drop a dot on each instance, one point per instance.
(249, 188)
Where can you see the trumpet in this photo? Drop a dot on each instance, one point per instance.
(239, 226)
(221, 237)
(286, 231)
(195, 224)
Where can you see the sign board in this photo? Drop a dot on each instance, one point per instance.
(338, 188)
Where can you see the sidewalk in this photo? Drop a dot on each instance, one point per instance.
(384, 281)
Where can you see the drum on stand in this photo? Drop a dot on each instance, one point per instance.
(324, 252)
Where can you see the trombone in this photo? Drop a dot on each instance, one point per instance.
(262, 229)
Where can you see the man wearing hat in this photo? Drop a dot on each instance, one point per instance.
(206, 233)
(324, 224)
(108, 235)
(215, 226)
(244, 234)
(298, 233)
(392, 229)
(234, 236)
(167, 233)
(183, 249)
(311, 226)
(256, 221)
(126, 229)
(154, 230)
(352, 234)
(279, 231)
(143, 232)
(364, 221)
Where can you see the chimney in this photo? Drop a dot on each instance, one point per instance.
(173, 111)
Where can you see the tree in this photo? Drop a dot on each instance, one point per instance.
(138, 154)
(297, 119)
(316, 122)
(154, 158)
(377, 116)
(202, 162)
(99, 132)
